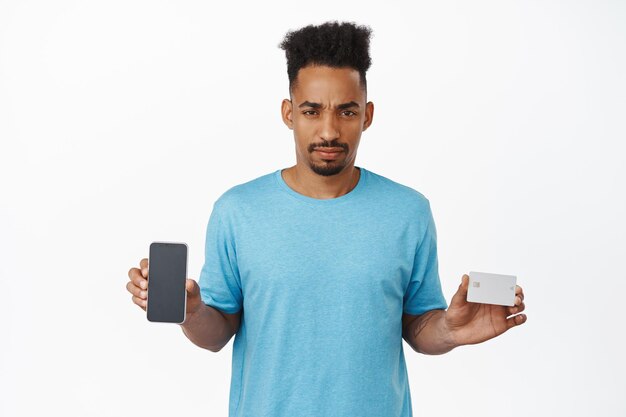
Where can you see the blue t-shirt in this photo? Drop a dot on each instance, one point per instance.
(323, 284)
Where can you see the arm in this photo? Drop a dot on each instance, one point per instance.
(464, 323)
(205, 326)
(427, 333)
(209, 328)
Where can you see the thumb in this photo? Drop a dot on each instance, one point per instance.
(192, 288)
(461, 294)
(464, 285)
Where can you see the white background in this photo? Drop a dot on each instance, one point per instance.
(121, 122)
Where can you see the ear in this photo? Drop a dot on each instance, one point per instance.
(286, 112)
(369, 115)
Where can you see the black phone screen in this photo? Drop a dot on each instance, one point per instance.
(167, 274)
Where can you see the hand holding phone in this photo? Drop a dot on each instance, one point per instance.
(138, 287)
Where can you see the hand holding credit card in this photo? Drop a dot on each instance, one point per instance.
(484, 306)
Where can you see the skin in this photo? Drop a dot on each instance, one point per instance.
(464, 323)
(205, 326)
(328, 108)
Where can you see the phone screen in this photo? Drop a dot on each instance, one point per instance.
(167, 274)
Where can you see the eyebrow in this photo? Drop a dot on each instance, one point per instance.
(340, 106)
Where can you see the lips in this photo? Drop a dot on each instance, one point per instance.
(329, 153)
(328, 150)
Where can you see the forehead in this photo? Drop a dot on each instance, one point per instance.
(328, 84)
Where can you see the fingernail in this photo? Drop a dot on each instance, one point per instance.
(143, 284)
(143, 294)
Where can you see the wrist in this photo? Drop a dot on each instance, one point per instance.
(448, 333)
(190, 316)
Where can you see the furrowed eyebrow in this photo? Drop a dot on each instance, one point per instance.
(339, 107)
(348, 105)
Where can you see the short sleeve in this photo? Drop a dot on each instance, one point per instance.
(424, 290)
(220, 284)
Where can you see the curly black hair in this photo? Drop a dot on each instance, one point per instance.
(332, 44)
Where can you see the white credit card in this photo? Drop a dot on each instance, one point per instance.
(489, 288)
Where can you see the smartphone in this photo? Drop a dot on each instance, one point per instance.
(167, 275)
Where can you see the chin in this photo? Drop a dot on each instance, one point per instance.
(327, 168)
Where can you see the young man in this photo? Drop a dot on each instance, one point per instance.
(321, 269)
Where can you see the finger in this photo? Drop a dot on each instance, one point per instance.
(134, 290)
(137, 279)
(516, 309)
(519, 292)
(515, 320)
(464, 285)
(192, 287)
(459, 299)
(143, 264)
(141, 303)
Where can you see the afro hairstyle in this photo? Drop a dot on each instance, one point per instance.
(331, 44)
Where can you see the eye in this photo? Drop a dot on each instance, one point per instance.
(307, 112)
(351, 113)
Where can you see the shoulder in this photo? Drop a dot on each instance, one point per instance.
(399, 194)
(244, 194)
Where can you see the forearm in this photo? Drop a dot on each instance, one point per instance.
(429, 334)
(208, 328)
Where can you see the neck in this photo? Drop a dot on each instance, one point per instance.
(304, 181)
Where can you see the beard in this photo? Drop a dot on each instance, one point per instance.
(327, 168)
(330, 166)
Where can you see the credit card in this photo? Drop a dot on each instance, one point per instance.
(488, 288)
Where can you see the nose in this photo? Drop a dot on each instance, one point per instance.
(328, 129)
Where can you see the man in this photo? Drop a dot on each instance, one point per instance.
(323, 268)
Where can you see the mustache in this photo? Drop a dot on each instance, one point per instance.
(326, 144)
